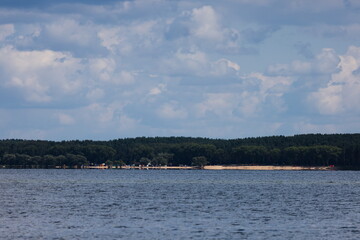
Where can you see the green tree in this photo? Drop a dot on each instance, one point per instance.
(144, 161)
(109, 163)
(162, 159)
(9, 159)
(35, 161)
(77, 160)
(49, 161)
(61, 160)
(118, 163)
(199, 161)
(141, 151)
(250, 155)
(98, 153)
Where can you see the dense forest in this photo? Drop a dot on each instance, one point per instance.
(341, 150)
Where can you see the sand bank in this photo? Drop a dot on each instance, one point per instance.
(159, 167)
(210, 167)
(242, 167)
(251, 167)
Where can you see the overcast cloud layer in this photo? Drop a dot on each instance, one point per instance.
(222, 69)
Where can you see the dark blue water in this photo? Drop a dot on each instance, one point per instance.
(171, 204)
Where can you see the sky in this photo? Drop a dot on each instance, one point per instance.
(101, 70)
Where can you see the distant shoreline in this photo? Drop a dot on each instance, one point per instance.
(228, 167)
(208, 167)
(299, 152)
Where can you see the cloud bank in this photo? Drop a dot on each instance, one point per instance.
(112, 69)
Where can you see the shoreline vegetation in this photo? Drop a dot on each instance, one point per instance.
(298, 152)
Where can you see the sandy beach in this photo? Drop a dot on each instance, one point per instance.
(161, 167)
(250, 167)
(242, 167)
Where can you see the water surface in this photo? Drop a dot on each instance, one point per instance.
(179, 204)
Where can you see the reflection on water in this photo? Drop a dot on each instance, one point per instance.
(178, 204)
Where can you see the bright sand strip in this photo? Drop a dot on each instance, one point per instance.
(170, 167)
(159, 167)
(245, 167)
(220, 167)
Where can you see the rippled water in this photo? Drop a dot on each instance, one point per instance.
(172, 204)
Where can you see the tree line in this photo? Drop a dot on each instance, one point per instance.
(342, 150)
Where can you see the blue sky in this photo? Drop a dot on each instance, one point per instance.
(110, 69)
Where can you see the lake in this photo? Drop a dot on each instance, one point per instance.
(179, 204)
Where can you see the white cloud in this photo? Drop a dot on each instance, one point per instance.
(103, 114)
(123, 64)
(158, 90)
(125, 77)
(301, 67)
(326, 62)
(65, 119)
(192, 57)
(341, 94)
(191, 61)
(247, 99)
(70, 31)
(206, 24)
(41, 75)
(108, 71)
(102, 68)
(224, 67)
(328, 100)
(227, 105)
(137, 36)
(250, 103)
(205, 29)
(232, 65)
(172, 111)
(114, 39)
(272, 85)
(221, 104)
(196, 62)
(106, 115)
